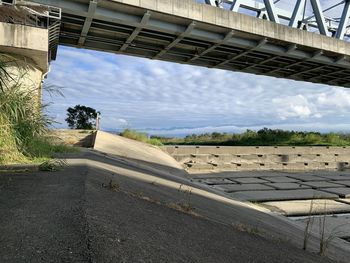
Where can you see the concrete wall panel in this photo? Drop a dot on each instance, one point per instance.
(195, 11)
(132, 2)
(26, 41)
(181, 7)
(149, 4)
(165, 6)
(209, 14)
(222, 17)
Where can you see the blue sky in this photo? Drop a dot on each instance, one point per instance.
(167, 98)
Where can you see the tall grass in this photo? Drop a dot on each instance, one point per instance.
(139, 136)
(23, 125)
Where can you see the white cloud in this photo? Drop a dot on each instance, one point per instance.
(339, 98)
(293, 107)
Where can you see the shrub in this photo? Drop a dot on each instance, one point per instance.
(263, 137)
(140, 136)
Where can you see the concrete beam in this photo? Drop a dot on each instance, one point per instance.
(259, 44)
(227, 37)
(137, 30)
(30, 42)
(317, 54)
(170, 24)
(188, 30)
(211, 15)
(88, 21)
(260, 63)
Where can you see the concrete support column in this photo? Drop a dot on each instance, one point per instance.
(24, 73)
(25, 50)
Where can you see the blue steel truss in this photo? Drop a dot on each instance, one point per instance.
(296, 16)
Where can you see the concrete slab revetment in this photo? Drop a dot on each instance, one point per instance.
(306, 177)
(342, 192)
(346, 183)
(280, 195)
(308, 207)
(344, 200)
(281, 179)
(336, 225)
(336, 177)
(252, 180)
(288, 186)
(323, 184)
(213, 181)
(242, 187)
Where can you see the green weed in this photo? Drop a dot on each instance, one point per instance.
(24, 126)
(139, 136)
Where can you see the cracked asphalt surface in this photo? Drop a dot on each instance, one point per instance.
(71, 216)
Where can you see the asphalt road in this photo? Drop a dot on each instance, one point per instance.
(74, 216)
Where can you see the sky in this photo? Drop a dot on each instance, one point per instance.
(173, 99)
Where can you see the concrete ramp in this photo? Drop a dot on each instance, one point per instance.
(139, 153)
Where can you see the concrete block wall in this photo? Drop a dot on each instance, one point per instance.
(286, 158)
(82, 138)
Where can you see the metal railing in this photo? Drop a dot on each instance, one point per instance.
(29, 14)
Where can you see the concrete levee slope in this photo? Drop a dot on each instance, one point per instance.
(141, 154)
(287, 158)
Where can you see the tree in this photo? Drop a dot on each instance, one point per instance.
(81, 117)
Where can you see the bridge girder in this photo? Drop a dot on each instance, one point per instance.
(137, 31)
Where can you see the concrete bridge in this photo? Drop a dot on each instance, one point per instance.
(188, 32)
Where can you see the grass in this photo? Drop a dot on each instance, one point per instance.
(325, 237)
(52, 165)
(245, 228)
(24, 128)
(139, 136)
(263, 137)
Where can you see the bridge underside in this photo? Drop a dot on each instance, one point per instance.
(139, 31)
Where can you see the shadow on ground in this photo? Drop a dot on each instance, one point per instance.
(76, 216)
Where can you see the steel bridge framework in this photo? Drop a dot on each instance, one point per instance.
(146, 30)
(296, 16)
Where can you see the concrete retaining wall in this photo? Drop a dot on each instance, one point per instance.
(82, 138)
(200, 158)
